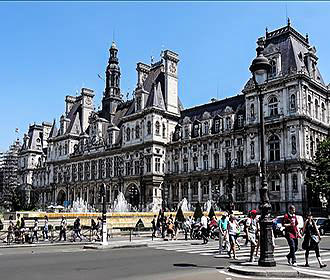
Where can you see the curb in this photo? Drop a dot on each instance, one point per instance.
(277, 272)
(102, 247)
(36, 245)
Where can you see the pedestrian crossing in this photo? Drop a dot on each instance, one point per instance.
(212, 249)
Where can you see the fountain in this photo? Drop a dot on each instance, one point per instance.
(208, 205)
(184, 205)
(121, 204)
(79, 206)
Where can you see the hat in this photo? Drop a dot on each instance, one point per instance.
(253, 212)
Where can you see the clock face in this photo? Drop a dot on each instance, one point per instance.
(172, 68)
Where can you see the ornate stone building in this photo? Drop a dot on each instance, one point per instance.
(158, 153)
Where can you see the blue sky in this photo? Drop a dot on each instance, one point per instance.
(51, 49)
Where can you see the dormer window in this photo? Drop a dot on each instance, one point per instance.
(137, 131)
(128, 134)
(206, 128)
(186, 132)
(316, 109)
(240, 121)
(138, 103)
(272, 72)
(273, 106)
(252, 112)
(148, 127)
(228, 123)
(164, 130)
(217, 126)
(196, 128)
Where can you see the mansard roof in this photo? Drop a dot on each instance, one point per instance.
(292, 46)
(156, 97)
(122, 110)
(53, 131)
(214, 108)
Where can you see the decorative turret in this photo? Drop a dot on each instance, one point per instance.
(112, 96)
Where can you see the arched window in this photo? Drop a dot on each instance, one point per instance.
(272, 72)
(309, 105)
(273, 106)
(195, 163)
(293, 102)
(252, 112)
(206, 128)
(274, 148)
(164, 130)
(186, 131)
(323, 112)
(128, 134)
(252, 149)
(316, 109)
(196, 130)
(157, 128)
(148, 127)
(293, 144)
(216, 126)
(205, 162)
(137, 131)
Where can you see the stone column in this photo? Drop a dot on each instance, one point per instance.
(199, 191)
(180, 191)
(210, 189)
(189, 191)
(87, 189)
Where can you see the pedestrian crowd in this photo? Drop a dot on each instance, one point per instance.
(19, 232)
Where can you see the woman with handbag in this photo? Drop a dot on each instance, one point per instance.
(311, 240)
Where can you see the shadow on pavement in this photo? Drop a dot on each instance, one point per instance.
(197, 266)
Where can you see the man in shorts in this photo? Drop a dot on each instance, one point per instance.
(252, 228)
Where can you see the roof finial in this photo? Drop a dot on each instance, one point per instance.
(307, 38)
(152, 59)
(289, 21)
(266, 31)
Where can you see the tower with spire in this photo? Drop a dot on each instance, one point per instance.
(112, 96)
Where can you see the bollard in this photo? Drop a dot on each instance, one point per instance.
(130, 235)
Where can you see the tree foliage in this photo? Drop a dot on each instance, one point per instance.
(198, 211)
(318, 178)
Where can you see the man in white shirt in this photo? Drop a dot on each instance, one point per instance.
(204, 230)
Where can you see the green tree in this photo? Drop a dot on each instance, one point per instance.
(211, 213)
(198, 212)
(318, 177)
(179, 215)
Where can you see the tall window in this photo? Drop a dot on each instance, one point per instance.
(186, 131)
(216, 126)
(138, 103)
(128, 168)
(252, 149)
(157, 128)
(309, 105)
(228, 123)
(185, 165)
(148, 127)
(293, 144)
(195, 163)
(137, 131)
(316, 109)
(205, 162)
(272, 72)
(206, 128)
(253, 183)
(227, 159)
(275, 184)
(196, 128)
(274, 148)
(176, 167)
(252, 112)
(294, 182)
(148, 163)
(164, 130)
(240, 120)
(216, 161)
(128, 134)
(293, 102)
(273, 106)
(323, 112)
(157, 164)
(137, 167)
(239, 158)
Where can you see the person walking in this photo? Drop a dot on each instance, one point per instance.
(77, 229)
(10, 233)
(251, 229)
(63, 227)
(154, 226)
(204, 229)
(35, 230)
(45, 229)
(290, 223)
(223, 233)
(22, 229)
(311, 240)
(232, 231)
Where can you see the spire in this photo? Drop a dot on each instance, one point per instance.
(112, 87)
(289, 22)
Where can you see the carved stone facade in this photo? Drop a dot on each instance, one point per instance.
(157, 153)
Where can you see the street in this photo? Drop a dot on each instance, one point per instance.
(160, 260)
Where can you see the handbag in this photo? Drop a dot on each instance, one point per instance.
(315, 238)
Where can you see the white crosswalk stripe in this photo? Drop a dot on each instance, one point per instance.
(212, 249)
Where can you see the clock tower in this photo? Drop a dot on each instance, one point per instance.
(112, 96)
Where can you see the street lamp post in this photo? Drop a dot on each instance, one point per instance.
(104, 215)
(260, 68)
